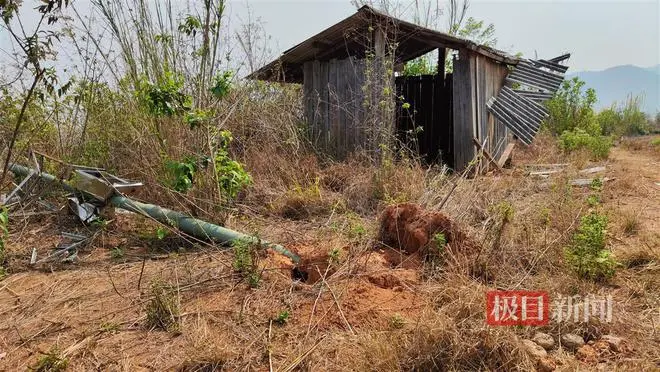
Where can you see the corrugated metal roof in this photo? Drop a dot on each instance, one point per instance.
(350, 36)
(521, 109)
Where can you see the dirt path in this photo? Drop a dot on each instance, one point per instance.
(636, 190)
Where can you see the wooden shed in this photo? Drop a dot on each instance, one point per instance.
(355, 97)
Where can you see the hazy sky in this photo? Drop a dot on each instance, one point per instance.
(598, 34)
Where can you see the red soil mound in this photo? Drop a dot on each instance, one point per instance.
(410, 228)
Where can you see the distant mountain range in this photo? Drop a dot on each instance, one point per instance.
(616, 83)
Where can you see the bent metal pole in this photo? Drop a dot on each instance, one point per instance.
(189, 225)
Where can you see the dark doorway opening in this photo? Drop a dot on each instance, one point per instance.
(424, 116)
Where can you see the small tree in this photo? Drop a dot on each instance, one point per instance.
(571, 108)
(36, 46)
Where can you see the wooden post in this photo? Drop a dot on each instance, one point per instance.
(442, 56)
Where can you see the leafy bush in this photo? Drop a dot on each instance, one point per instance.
(587, 254)
(165, 98)
(222, 84)
(196, 118)
(573, 118)
(420, 66)
(626, 119)
(578, 138)
(231, 176)
(572, 108)
(182, 174)
(246, 261)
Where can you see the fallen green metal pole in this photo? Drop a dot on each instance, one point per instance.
(189, 225)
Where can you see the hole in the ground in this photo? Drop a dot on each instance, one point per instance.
(299, 274)
(311, 272)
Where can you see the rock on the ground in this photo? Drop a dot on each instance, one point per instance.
(534, 350)
(616, 343)
(571, 341)
(587, 354)
(544, 340)
(546, 364)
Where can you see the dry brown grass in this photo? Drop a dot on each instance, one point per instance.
(342, 317)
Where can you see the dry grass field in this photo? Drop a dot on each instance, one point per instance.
(137, 300)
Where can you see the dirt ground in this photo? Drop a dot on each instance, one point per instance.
(357, 298)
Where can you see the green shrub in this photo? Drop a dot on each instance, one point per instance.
(587, 253)
(420, 66)
(282, 317)
(181, 174)
(166, 97)
(231, 176)
(222, 84)
(626, 119)
(572, 108)
(578, 138)
(246, 261)
(52, 361)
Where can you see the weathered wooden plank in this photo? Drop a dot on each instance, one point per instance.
(506, 154)
(359, 116)
(319, 105)
(308, 105)
(344, 101)
(425, 137)
(486, 153)
(333, 117)
(483, 96)
(463, 111)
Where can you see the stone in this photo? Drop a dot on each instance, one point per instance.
(534, 350)
(587, 354)
(546, 364)
(544, 340)
(571, 341)
(616, 343)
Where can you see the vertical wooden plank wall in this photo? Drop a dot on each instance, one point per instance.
(489, 77)
(333, 105)
(463, 88)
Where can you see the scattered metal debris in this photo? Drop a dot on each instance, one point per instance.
(96, 185)
(101, 185)
(65, 251)
(86, 212)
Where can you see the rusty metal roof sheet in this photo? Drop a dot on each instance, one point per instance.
(350, 36)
